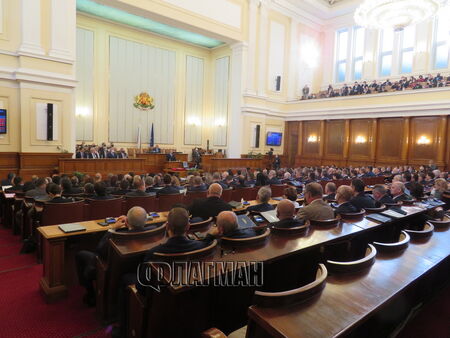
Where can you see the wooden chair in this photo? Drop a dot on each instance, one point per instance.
(204, 252)
(239, 242)
(393, 205)
(27, 226)
(402, 244)
(192, 195)
(17, 213)
(441, 224)
(354, 216)
(146, 202)
(300, 230)
(227, 195)
(97, 209)
(409, 202)
(245, 193)
(326, 223)
(427, 231)
(353, 266)
(277, 189)
(375, 210)
(284, 298)
(121, 235)
(165, 202)
(200, 225)
(213, 333)
(61, 213)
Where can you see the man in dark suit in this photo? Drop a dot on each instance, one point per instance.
(211, 206)
(17, 184)
(227, 226)
(168, 189)
(360, 199)
(122, 153)
(343, 196)
(273, 179)
(100, 192)
(156, 149)
(86, 260)
(216, 179)
(9, 179)
(198, 185)
(171, 157)
(140, 190)
(330, 191)
(263, 198)
(380, 195)
(196, 156)
(54, 193)
(286, 215)
(111, 153)
(398, 192)
(40, 192)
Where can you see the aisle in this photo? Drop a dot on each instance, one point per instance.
(23, 311)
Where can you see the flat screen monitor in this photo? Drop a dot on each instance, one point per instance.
(273, 139)
(3, 121)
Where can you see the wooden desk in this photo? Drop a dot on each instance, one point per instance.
(221, 164)
(53, 284)
(102, 165)
(155, 163)
(349, 300)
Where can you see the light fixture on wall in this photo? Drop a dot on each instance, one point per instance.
(312, 139)
(396, 14)
(81, 111)
(194, 121)
(360, 139)
(423, 140)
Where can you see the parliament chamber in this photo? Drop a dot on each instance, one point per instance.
(226, 168)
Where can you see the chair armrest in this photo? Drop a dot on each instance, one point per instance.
(213, 333)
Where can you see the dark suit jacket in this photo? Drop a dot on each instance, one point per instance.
(242, 233)
(60, 200)
(330, 197)
(111, 155)
(79, 155)
(362, 201)
(102, 198)
(261, 207)
(102, 246)
(288, 223)
(346, 208)
(120, 192)
(168, 190)
(274, 180)
(208, 207)
(137, 193)
(383, 200)
(171, 157)
(199, 188)
(15, 188)
(402, 197)
(37, 193)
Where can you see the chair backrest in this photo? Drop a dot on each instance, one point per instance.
(246, 241)
(393, 205)
(354, 216)
(375, 210)
(402, 244)
(441, 224)
(204, 252)
(138, 235)
(97, 209)
(427, 231)
(245, 193)
(200, 225)
(276, 299)
(290, 231)
(326, 223)
(227, 195)
(409, 202)
(61, 213)
(277, 189)
(352, 266)
(146, 202)
(192, 195)
(165, 202)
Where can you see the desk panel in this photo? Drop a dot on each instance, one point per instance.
(103, 165)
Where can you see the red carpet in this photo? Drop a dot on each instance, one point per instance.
(23, 311)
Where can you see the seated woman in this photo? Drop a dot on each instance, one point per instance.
(440, 186)
(264, 195)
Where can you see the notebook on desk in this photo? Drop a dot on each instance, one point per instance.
(4, 187)
(378, 218)
(245, 222)
(71, 227)
(235, 205)
(393, 214)
(270, 216)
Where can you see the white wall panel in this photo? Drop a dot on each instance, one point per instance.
(136, 68)
(221, 89)
(193, 114)
(276, 53)
(84, 107)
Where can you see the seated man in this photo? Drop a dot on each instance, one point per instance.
(54, 193)
(198, 185)
(360, 199)
(40, 192)
(171, 157)
(381, 196)
(85, 260)
(330, 191)
(17, 185)
(316, 208)
(123, 188)
(273, 179)
(100, 192)
(398, 192)
(286, 215)
(9, 179)
(291, 194)
(140, 190)
(227, 226)
(210, 206)
(343, 196)
(217, 179)
(263, 198)
(168, 189)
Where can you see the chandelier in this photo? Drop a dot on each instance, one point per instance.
(398, 14)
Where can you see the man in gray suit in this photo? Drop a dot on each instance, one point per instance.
(39, 193)
(316, 208)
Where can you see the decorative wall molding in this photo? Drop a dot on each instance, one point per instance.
(33, 75)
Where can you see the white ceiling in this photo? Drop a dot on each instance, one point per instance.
(326, 9)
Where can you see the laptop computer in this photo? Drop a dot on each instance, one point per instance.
(245, 222)
(270, 216)
(71, 227)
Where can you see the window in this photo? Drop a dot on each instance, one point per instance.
(386, 52)
(408, 38)
(358, 52)
(342, 53)
(396, 51)
(441, 39)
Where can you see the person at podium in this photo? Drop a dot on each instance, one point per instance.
(171, 157)
(156, 149)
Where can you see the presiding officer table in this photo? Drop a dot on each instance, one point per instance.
(102, 165)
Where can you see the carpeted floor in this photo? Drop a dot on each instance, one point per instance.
(23, 311)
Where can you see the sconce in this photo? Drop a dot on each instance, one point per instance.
(360, 139)
(194, 121)
(423, 140)
(312, 139)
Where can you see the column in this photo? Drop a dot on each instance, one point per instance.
(63, 29)
(237, 78)
(263, 46)
(252, 42)
(294, 59)
(30, 26)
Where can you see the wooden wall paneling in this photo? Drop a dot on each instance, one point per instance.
(291, 145)
(311, 139)
(406, 139)
(360, 148)
(9, 162)
(441, 141)
(425, 135)
(40, 164)
(334, 143)
(447, 135)
(390, 140)
(322, 140)
(373, 140)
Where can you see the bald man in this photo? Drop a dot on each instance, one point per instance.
(210, 206)
(343, 196)
(227, 226)
(286, 215)
(398, 192)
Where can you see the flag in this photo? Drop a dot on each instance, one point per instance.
(152, 138)
(139, 138)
